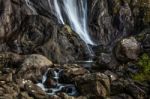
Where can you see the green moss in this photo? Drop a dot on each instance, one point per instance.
(66, 29)
(144, 65)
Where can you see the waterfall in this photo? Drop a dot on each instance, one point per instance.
(76, 13)
(55, 9)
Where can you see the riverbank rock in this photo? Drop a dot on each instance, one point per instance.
(35, 91)
(96, 84)
(128, 49)
(33, 67)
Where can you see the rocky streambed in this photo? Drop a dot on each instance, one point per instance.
(122, 75)
(42, 59)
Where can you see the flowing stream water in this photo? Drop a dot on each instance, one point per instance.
(57, 87)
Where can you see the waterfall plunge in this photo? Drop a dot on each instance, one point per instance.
(76, 12)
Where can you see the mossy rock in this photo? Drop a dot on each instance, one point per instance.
(144, 65)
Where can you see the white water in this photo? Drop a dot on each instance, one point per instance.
(76, 13)
(55, 8)
(59, 87)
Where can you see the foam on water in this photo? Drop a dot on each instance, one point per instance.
(58, 86)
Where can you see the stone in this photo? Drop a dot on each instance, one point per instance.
(104, 59)
(128, 49)
(96, 84)
(74, 70)
(35, 91)
(33, 67)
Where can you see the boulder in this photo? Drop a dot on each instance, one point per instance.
(74, 70)
(128, 49)
(35, 91)
(33, 67)
(95, 84)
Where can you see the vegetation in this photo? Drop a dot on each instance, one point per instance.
(144, 65)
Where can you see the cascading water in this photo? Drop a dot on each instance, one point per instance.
(56, 87)
(76, 12)
(55, 8)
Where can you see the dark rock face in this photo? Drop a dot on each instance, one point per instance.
(106, 24)
(25, 32)
(31, 41)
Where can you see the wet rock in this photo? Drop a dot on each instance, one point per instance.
(96, 84)
(26, 32)
(74, 70)
(128, 49)
(100, 22)
(33, 67)
(35, 91)
(68, 72)
(110, 20)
